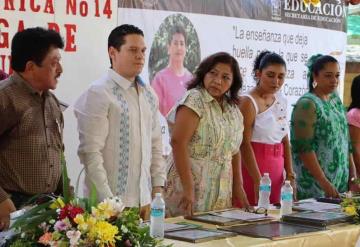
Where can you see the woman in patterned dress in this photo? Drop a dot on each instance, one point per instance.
(266, 146)
(205, 173)
(353, 117)
(319, 134)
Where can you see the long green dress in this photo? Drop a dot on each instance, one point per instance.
(320, 126)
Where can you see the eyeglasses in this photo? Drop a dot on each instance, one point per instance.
(259, 210)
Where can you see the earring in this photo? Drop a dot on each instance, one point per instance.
(314, 84)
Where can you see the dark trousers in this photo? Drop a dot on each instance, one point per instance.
(19, 199)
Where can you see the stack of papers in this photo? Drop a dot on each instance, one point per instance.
(170, 227)
(316, 206)
(273, 230)
(320, 219)
(229, 217)
(198, 235)
(241, 215)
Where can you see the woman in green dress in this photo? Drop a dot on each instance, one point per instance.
(319, 134)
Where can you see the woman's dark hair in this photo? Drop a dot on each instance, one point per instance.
(355, 93)
(265, 59)
(315, 64)
(209, 63)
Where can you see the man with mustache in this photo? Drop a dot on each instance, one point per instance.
(119, 129)
(31, 121)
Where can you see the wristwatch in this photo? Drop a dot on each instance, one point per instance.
(353, 180)
(290, 176)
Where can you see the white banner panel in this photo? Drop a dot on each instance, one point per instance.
(244, 38)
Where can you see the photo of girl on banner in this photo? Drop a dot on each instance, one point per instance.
(174, 55)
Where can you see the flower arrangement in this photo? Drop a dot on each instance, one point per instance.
(351, 206)
(70, 221)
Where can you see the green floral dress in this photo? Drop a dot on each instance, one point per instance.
(320, 126)
(211, 148)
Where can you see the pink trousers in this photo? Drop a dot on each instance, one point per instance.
(270, 159)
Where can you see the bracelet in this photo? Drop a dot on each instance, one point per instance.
(291, 176)
(352, 180)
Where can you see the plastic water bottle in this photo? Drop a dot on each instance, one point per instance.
(264, 191)
(286, 198)
(157, 216)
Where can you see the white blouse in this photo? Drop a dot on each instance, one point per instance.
(271, 125)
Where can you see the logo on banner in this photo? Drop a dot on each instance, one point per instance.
(150, 3)
(331, 11)
(276, 10)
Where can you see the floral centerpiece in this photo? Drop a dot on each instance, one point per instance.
(351, 206)
(70, 221)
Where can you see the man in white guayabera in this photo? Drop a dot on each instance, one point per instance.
(119, 129)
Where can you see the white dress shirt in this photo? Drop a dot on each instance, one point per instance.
(120, 139)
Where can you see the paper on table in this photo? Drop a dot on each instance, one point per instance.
(168, 227)
(316, 206)
(198, 235)
(5, 235)
(240, 215)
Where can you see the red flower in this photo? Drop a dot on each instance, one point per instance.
(69, 211)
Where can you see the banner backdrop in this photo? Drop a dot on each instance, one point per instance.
(240, 27)
(85, 26)
(244, 39)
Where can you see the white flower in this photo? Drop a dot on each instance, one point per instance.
(53, 244)
(348, 194)
(44, 226)
(124, 229)
(115, 204)
(74, 237)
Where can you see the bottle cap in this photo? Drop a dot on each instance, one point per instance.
(158, 194)
(287, 181)
(266, 174)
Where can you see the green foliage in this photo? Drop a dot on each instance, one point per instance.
(133, 232)
(40, 220)
(158, 58)
(351, 207)
(22, 243)
(66, 180)
(34, 216)
(93, 197)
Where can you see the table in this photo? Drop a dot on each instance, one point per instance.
(340, 235)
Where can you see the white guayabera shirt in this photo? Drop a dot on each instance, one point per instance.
(120, 139)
